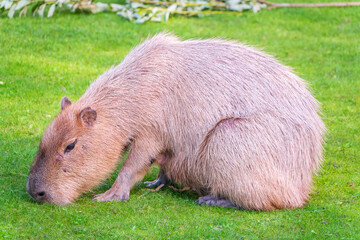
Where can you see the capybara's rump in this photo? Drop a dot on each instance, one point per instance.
(254, 162)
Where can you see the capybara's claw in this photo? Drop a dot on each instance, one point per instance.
(215, 201)
(153, 184)
(111, 196)
(96, 197)
(162, 179)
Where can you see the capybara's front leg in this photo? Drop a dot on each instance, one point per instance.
(137, 164)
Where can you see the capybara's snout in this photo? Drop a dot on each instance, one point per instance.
(40, 191)
(36, 189)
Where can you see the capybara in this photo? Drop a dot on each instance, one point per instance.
(223, 118)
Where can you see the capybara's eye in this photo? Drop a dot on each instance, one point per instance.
(70, 146)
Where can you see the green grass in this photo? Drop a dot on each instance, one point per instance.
(42, 60)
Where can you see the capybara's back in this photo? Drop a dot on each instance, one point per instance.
(218, 116)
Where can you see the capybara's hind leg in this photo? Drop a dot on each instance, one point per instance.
(161, 179)
(253, 165)
(216, 201)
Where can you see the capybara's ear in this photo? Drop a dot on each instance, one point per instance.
(88, 116)
(65, 102)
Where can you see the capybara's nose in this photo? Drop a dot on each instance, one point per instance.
(36, 190)
(40, 196)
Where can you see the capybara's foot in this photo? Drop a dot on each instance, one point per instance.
(162, 179)
(215, 201)
(111, 195)
(153, 184)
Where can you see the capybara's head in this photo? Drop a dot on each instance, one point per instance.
(71, 155)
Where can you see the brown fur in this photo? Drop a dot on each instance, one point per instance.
(218, 116)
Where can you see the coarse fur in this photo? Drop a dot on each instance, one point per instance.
(221, 117)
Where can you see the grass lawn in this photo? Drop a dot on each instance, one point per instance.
(42, 60)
